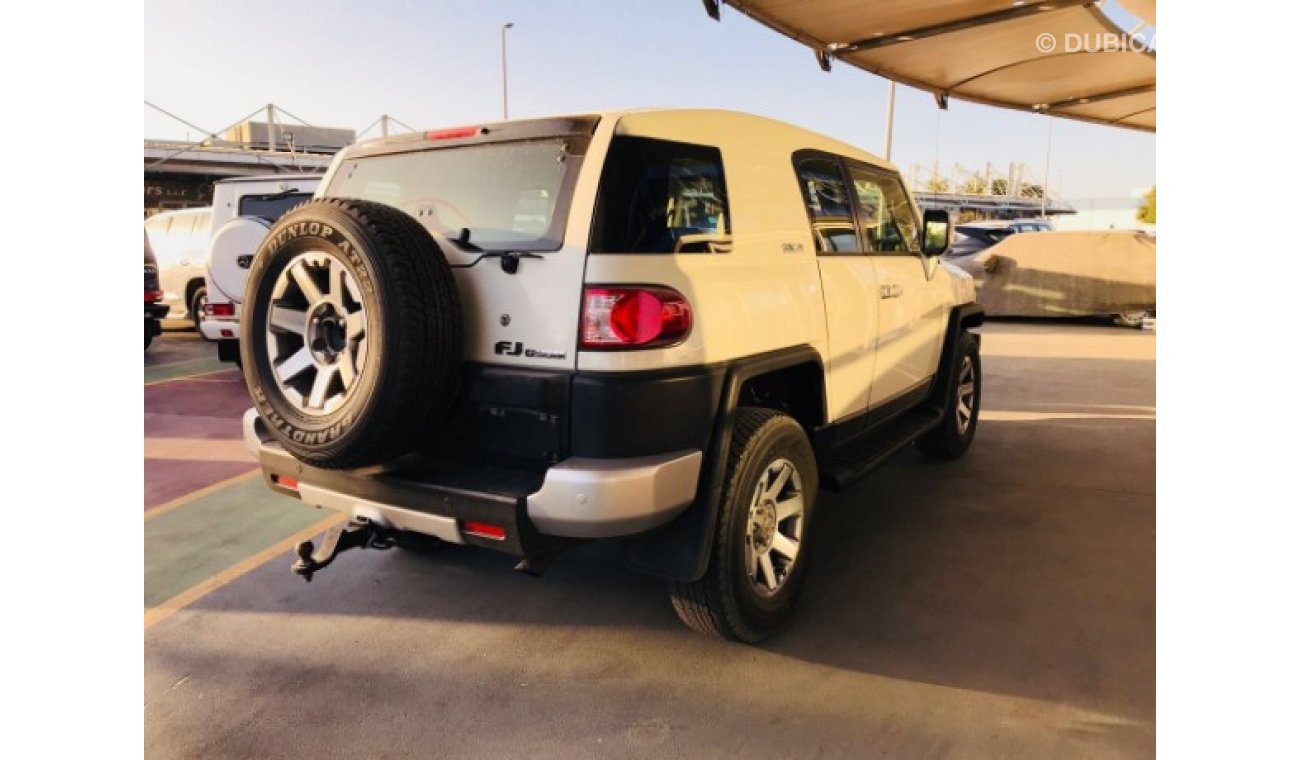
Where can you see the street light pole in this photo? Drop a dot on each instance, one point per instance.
(889, 123)
(1047, 169)
(505, 91)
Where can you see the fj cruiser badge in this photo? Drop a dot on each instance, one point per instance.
(515, 348)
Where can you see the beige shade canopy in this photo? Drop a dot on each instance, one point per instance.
(994, 52)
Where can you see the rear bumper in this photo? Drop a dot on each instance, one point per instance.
(216, 328)
(579, 498)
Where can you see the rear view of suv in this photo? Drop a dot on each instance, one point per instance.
(668, 328)
(243, 209)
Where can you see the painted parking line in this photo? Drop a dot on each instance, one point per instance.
(193, 496)
(155, 615)
(188, 370)
(192, 543)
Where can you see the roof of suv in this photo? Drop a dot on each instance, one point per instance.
(574, 123)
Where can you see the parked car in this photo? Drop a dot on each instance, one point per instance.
(973, 237)
(244, 208)
(154, 308)
(1109, 273)
(179, 240)
(671, 328)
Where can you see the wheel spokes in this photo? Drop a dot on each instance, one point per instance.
(778, 483)
(789, 507)
(319, 388)
(356, 324)
(768, 578)
(289, 320)
(785, 546)
(336, 273)
(347, 370)
(306, 284)
(295, 365)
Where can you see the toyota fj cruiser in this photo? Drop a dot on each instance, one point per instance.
(667, 327)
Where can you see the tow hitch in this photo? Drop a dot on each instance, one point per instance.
(358, 533)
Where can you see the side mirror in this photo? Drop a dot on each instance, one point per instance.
(936, 232)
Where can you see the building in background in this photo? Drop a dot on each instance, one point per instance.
(179, 175)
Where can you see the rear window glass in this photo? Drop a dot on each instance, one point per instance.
(270, 207)
(655, 192)
(510, 196)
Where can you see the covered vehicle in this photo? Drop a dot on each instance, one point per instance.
(1068, 274)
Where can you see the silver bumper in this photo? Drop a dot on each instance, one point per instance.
(579, 498)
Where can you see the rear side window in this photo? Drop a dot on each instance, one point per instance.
(653, 193)
(830, 209)
(270, 207)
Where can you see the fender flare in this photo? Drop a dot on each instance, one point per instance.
(680, 550)
(962, 318)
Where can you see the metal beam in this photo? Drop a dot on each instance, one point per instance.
(996, 17)
(1111, 95)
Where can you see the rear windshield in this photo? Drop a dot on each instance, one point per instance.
(270, 207)
(510, 196)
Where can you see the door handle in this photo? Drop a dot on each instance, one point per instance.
(891, 291)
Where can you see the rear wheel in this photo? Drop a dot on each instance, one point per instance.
(760, 551)
(197, 302)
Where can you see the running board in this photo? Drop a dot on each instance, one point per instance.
(845, 466)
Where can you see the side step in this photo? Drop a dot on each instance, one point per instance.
(844, 466)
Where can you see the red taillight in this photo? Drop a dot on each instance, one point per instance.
(484, 530)
(451, 134)
(633, 317)
(153, 296)
(219, 309)
(285, 482)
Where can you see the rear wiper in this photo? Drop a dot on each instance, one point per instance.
(509, 259)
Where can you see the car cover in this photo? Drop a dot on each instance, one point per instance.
(1062, 274)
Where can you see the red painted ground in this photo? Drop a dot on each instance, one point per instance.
(207, 407)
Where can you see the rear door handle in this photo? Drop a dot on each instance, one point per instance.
(891, 291)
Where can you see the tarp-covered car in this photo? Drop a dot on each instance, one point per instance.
(1067, 274)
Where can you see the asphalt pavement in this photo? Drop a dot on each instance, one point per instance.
(999, 606)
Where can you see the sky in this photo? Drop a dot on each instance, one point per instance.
(438, 63)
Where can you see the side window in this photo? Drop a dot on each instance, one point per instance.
(888, 222)
(653, 193)
(830, 210)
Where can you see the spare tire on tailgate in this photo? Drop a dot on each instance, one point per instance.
(351, 333)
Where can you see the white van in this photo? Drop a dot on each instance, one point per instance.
(179, 240)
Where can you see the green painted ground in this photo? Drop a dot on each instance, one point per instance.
(185, 369)
(192, 543)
